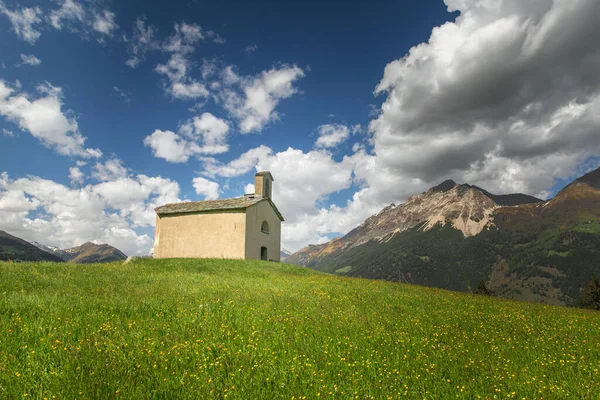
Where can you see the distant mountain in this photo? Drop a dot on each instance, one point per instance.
(283, 254)
(87, 253)
(17, 249)
(58, 252)
(455, 236)
(466, 208)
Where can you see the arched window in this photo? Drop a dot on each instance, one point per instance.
(264, 227)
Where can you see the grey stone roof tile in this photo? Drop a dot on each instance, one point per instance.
(237, 203)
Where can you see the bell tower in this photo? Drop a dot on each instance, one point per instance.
(263, 184)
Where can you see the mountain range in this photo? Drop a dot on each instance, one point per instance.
(14, 248)
(458, 236)
(87, 253)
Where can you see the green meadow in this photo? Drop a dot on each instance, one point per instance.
(204, 329)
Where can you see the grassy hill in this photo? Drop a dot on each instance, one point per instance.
(197, 329)
(535, 263)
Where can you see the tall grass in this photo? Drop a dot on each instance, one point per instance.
(200, 329)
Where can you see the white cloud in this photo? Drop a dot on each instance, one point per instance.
(104, 22)
(229, 75)
(44, 119)
(183, 40)
(249, 188)
(181, 43)
(76, 18)
(209, 189)
(213, 131)
(241, 165)
(175, 69)
(253, 100)
(331, 135)
(496, 97)
(206, 134)
(15, 201)
(168, 145)
(179, 85)
(190, 90)
(30, 59)
(75, 175)
(48, 212)
(110, 170)
(23, 22)
(6, 132)
(141, 41)
(69, 10)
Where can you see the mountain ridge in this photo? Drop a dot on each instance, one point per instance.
(85, 253)
(468, 208)
(455, 235)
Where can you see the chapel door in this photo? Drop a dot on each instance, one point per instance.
(263, 253)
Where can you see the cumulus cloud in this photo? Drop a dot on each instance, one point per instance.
(30, 59)
(331, 135)
(48, 212)
(253, 100)
(44, 119)
(75, 175)
(24, 22)
(249, 188)
(213, 132)
(190, 90)
(241, 165)
(209, 189)
(205, 134)
(7, 132)
(494, 96)
(168, 145)
(109, 170)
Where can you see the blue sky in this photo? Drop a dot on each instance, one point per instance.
(109, 109)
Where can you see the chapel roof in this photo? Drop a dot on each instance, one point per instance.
(236, 203)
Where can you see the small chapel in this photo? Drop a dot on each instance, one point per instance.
(247, 227)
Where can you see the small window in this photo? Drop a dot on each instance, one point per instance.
(264, 227)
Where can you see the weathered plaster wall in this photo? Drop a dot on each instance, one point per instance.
(219, 234)
(255, 239)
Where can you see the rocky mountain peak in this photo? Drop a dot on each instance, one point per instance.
(466, 208)
(444, 186)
